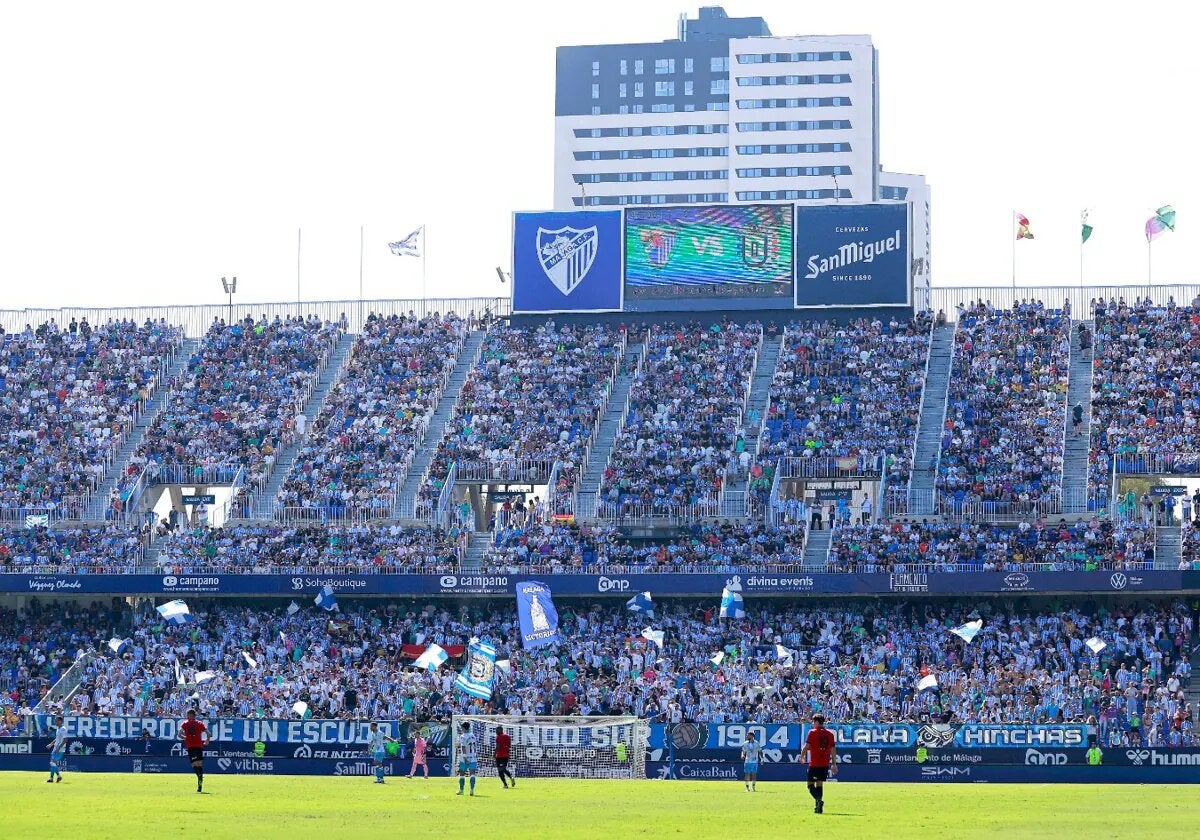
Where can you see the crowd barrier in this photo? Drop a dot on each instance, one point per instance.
(751, 582)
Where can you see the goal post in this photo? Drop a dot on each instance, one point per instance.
(559, 747)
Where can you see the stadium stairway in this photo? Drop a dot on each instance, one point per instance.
(477, 549)
(756, 405)
(436, 430)
(816, 549)
(1192, 695)
(1075, 447)
(606, 435)
(98, 504)
(933, 418)
(1168, 546)
(264, 502)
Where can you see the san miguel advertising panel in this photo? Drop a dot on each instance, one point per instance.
(853, 255)
(567, 262)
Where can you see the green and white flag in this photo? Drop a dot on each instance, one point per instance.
(1085, 229)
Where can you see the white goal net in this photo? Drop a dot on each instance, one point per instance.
(567, 747)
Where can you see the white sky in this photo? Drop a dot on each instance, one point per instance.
(148, 148)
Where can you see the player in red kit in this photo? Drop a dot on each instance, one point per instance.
(195, 738)
(820, 751)
(503, 753)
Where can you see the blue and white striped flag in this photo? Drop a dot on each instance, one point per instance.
(432, 658)
(480, 671)
(409, 246)
(175, 612)
(325, 599)
(731, 600)
(969, 630)
(641, 602)
(927, 683)
(293, 608)
(119, 647)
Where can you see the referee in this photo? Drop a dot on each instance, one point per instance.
(503, 753)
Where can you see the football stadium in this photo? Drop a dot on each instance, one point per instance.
(709, 490)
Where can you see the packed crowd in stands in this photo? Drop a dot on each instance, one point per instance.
(686, 407)
(1002, 446)
(1146, 385)
(239, 403)
(374, 418)
(707, 546)
(68, 396)
(312, 549)
(848, 390)
(854, 664)
(109, 550)
(1040, 546)
(534, 396)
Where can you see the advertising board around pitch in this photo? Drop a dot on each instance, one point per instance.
(853, 255)
(567, 261)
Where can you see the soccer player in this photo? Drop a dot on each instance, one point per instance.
(820, 751)
(503, 752)
(58, 750)
(467, 760)
(195, 738)
(419, 749)
(750, 753)
(377, 744)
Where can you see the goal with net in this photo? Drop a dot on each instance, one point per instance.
(570, 747)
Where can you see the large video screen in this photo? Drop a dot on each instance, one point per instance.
(723, 253)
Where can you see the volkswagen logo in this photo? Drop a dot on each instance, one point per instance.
(1118, 580)
(449, 581)
(170, 580)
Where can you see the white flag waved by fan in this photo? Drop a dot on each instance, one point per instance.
(249, 660)
(927, 683)
(300, 708)
(1096, 644)
(431, 658)
(784, 654)
(204, 676)
(969, 630)
(718, 657)
(655, 636)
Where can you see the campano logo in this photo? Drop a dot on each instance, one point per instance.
(303, 751)
(170, 580)
(1118, 580)
(449, 581)
(534, 753)
(612, 584)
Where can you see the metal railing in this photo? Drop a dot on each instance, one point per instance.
(442, 512)
(61, 692)
(1171, 463)
(901, 501)
(1079, 297)
(521, 471)
(333, 515)
(1103, 567)
(828, 466)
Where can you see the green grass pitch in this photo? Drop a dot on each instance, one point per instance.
(100, 805)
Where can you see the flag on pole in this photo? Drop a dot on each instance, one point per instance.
(717, 658)
(178, 671)
(479, 673)
(1085, 228)
(325, 599)
(300, 708)
(409, 246)
(731, 599)
(927, 683)
(432, 658)
(783, 653)
(293, 608)
(175, 612)
(1023, 231)
(119, 647)
(655, 636)
(1096, 644)
(1162, 221)
(539, 618)
(204, 676)
(249, 660)
(969, 630)
(642, 602)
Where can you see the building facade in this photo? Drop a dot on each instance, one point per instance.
(727, 113)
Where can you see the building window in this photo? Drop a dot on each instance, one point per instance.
(687, 65)
(595, 91)
(664, 88)
(624, 67)
(638, 90)
(637, 109)
(663, 66)
(662, 108)
(622, 90)
(719, 64)
(718, 86)
(595, 110)
(688, 88)
(595, 68)
(718, 106)
(637, 67)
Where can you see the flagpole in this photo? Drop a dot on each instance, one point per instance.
(1012, 237)
(360, 262)
(298, 232)
(424, 253)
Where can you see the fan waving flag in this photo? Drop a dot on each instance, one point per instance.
(325, 599)
(1163, 220)
(204, 676)
(1096, 644)
(717, 658)
(969, 630)
(539, 618)
(783, 654)
(119, 647)
(409, 246)
(927, 683)
(432, 658)
(300, 708)
(479, 672)
(293, 608)
(731, 599)
(249, 660)
(655, 636)
(642, 603)
(175, 612)
(1023, 231)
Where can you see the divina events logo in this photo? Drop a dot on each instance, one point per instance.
(851, 253)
